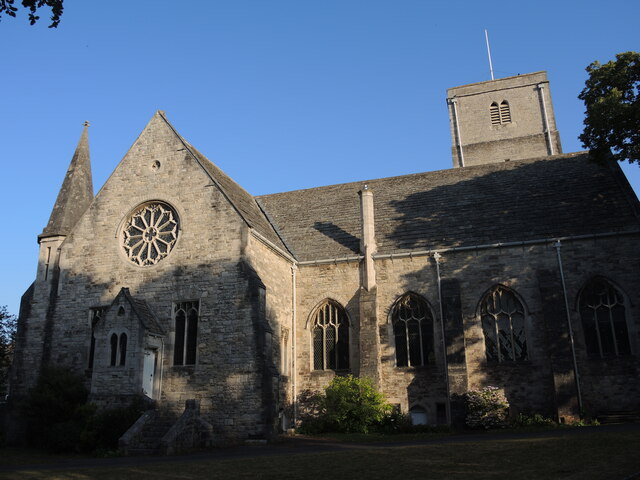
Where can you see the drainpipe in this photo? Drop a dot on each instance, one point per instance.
(453, 102)
(557, 246)
(294, 372)
(436, 257)
(547, 132)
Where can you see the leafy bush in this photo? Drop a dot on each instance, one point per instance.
(395, 422)
(56, 410)
(535, 420)
(60, 419)
(104, 428)
(486, 408)
(353, 404)
(348, 405)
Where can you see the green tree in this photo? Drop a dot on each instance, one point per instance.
(7, 340)
(8, 7)
(612, 99)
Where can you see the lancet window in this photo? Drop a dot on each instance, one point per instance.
(186, 315)
(118, 344)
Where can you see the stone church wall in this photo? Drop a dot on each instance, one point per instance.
(421, 386)
(125, 379)
(204, 266)
(530, 386)
(606, 383)
(276, 274)
(339, 282)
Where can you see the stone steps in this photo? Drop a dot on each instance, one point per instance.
(152, 433)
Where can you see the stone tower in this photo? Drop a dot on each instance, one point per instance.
(38, 302)
(500, 120)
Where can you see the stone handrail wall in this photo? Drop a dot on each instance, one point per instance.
(189, 432)
(133, 436)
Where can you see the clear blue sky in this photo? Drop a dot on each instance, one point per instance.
(281, 94)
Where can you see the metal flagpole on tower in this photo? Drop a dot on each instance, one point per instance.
(486, 36)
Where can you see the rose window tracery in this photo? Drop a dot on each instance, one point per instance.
(150, 233)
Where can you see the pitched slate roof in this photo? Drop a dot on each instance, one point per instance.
(76, 193)
(244, 203)
(142, 311)
(548, 197)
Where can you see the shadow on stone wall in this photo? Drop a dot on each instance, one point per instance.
(234, 376)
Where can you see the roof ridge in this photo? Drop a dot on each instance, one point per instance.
(487, 166)
(212, 170)
(190, 148)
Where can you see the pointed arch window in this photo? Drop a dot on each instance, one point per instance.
(330, 337)
(186, 340)
(502, 315)
(118, 344)
(604, 321)
(123, 348)
(114, 349)
(413, 331)
(500, 114)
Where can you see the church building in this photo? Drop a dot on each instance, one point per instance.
(517, 268)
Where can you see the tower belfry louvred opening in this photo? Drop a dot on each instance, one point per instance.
(505, 119)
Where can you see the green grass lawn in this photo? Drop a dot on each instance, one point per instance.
(588, 455)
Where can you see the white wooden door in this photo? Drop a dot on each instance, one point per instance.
(148, 372)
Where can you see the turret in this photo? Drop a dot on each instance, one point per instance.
(75, 196)
(38, 304)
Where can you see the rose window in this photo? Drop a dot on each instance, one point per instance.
(150, 233)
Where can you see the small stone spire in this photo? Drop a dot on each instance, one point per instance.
(76, 193)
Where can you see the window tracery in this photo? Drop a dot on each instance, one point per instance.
(502, 315)
(150, 233)
(330, 338)
(603, 315)
(413, 331)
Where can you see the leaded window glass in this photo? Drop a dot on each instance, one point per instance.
(502, 315)
(185, 315)
(604, 321)
(413, 331)
(330, 338)
(150, 233)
